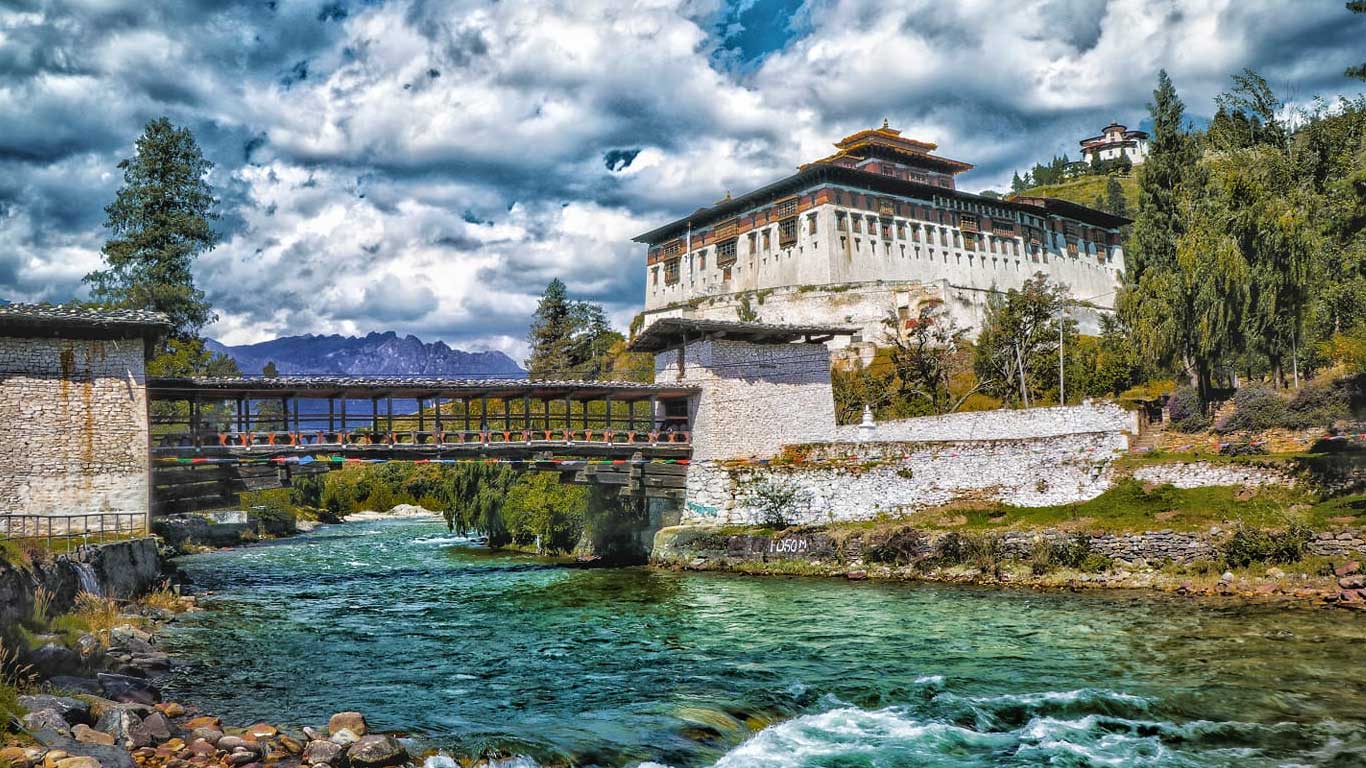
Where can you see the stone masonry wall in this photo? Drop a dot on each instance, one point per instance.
(76, 416)
(839, 482)
(1001, 424)
(1201, 474)
(755, 398)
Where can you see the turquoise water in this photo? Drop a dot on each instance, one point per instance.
(467, 650)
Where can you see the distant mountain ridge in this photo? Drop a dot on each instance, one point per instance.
(376, 354)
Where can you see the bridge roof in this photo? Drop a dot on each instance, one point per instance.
(256, 387)
(669, 332)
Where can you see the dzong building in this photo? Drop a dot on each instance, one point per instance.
(877, 228)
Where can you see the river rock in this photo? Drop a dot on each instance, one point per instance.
(120, 724)
(263, 730)
(1352, 582)
(53, 755)
(87, 735)
(132, 690)
(48, 719)
(79, 762)
(73, 684)
(203, 721)
(376, 752)
(126, 633)
(155, 728)
(171, 709)
(230, 743)
(322, 753)
(313, 734)
(71, 710)
(1347, 569)
(15, 756)
(347, 727)
(54, 659)
(211, 735)
(241, 757)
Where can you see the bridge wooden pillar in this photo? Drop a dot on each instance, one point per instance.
(331, 418)
(437, 400)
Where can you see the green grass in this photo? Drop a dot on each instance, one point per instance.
(1085, 189)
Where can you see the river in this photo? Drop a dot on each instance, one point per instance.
(465, 650)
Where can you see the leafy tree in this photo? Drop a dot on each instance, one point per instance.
(269, 371)
(926, 355)
(160, 220)
(540, 509)
(184, 358)
(474, 496)
(1017, 351)
(859, 385)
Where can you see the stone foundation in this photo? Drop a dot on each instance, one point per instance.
(1200, 474)
(121, 570)
(841, 482)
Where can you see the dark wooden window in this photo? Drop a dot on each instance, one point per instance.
(725, 254)
(787, 233)
(671, 271)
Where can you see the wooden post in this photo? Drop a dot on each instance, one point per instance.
(465, 406)
(343, 411)
(298, 425)
(389, 406)
(483, 413)
(421, 420)
(507, 415)
(631, 415)
(374, 413)
(331, 418)
(437, 400)
(607, 402)
(526, 412)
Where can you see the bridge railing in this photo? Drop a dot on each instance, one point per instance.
(670, 431)
(91, 527)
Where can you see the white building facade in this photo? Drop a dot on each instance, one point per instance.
(1116, 141)
(875, 230)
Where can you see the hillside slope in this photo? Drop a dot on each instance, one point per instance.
(1086, 189)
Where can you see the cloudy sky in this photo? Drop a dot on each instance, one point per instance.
(426, 166)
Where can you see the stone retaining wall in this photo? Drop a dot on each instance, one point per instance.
(1000, 424)
(840, 482)
(1201, 474)
(698, 545)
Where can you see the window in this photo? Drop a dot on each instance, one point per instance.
(841, 221)
(702, 259)
(787, 233)
(725, 254)
(654, 274)
(810, 223)
(786, 208)
(886, 225)
(768, 243)
(858, 223)
(901, 230)
(671, 271)
(725, 273)
(753, 241)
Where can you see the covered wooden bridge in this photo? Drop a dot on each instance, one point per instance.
(215, 437)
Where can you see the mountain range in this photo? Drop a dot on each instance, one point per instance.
(375, 354)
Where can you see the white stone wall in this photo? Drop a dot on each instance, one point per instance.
(1002, 424)
(1202, 474)
(755, 397)
(75, 417)
(896, 478)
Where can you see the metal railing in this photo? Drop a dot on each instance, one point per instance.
(88, 527)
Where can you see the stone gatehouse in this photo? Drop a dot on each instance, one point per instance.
(73, 398)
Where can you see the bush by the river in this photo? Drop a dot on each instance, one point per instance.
(493, 500)
(1248, 546)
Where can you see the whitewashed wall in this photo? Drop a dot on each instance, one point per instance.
(1002, 424)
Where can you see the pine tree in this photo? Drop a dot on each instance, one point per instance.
(1016, 183)
(552, 334)
(1114, 198)
(160, 220)
(1158, 224)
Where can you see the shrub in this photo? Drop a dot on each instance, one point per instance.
(1322, 402)
(1074, 553)
(1250, 545)
(15, 676)
(1186, 411)
(1256, 408)
(306, 490)
(773, 500)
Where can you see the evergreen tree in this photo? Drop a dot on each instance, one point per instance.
(1158, 224)
(160, 224)
(1359, 71)
(1017, 184)
(552, 334)
(1114, 198)
(1016, 355)
(269, 371)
